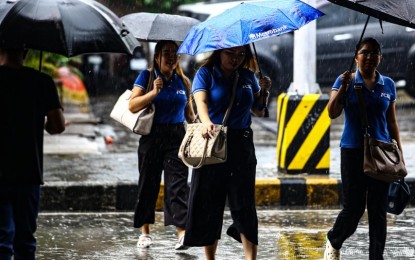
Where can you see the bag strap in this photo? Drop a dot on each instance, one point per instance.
(187, 85)
(225, 119)
(228, 111)
(150, 80)
(362, 107)
(202, 160)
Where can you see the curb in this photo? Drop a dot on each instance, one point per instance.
(287, 192)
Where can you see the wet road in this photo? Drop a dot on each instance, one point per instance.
(283, 234)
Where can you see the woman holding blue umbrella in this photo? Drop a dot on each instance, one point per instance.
(233, 180)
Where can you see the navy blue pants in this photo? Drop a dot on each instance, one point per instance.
(213, 185)
(360, 191)
(158, 151)
(19, 207)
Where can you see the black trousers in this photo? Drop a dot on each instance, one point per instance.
(212, 185)
(360, 191)
(158, 151)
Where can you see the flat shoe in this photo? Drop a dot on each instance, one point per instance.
(331, 253)
(144, 241)
(179, 245)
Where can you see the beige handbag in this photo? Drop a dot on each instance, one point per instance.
(139, 122)
(382, 160)
(196, 151)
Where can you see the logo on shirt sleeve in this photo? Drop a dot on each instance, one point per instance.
(181, 92)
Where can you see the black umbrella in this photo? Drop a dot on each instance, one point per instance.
(158, 26)
(401, 12)
(66, 27)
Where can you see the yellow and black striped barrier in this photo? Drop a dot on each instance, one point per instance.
(281, 193)
(303, 142)
(309, 191)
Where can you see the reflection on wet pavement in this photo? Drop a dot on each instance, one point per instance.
(283, 234)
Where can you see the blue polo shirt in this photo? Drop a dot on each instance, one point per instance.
(377, 102)
(219, 92)
(170, 103)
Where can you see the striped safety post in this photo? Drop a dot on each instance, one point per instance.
(303, 142)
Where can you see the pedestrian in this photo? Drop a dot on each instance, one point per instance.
(233, 180)
(158, 151)
(359, 190)
(28, 97)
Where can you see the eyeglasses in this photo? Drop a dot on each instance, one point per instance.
(168, 54)
(371, 53)
(235, 55)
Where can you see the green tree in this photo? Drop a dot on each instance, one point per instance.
(51, 62)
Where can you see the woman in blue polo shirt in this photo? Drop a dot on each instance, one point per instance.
(360, 190)
(233, 180)
(157, 152)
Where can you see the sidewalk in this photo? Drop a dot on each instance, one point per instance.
(93, 167)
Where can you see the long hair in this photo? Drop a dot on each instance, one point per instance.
(248, 63)
(157, 55)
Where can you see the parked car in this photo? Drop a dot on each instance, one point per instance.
(338, 32)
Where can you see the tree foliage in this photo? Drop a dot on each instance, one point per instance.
(51, 62)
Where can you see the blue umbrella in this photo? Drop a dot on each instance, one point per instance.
(247, 23)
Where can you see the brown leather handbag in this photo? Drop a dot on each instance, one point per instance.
(382, 160)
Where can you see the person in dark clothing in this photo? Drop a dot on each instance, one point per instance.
(29, 104)
(233, 180)
(158, 151)
(359, 190)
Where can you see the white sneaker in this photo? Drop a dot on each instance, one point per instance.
(331, 253)
(144, 241)
(179, 245)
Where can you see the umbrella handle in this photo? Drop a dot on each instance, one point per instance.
(360, 40)
(257, 61)
(266, 112)
(355, 54)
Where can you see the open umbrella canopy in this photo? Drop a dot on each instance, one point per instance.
(157, 26)
(66, 27)
(246, 23)
(400, 12)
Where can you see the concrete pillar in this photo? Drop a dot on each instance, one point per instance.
(303, 144)
(304, 73)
